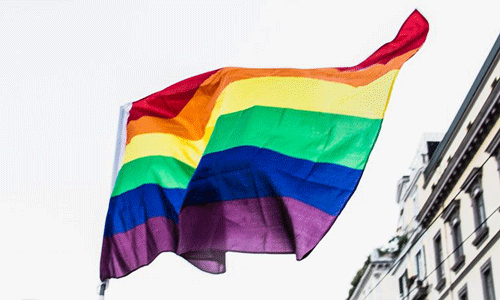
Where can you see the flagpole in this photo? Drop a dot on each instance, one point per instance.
(103, 287)
(121, 138)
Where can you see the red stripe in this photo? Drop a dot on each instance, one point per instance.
(169, 102)
(411, 36)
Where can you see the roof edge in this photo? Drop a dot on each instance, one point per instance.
(478, 84)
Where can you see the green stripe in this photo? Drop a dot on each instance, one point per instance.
(167, 172)
(320, 137)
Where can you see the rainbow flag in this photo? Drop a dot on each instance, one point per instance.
(248, 160)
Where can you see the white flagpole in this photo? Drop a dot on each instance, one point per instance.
(102, 288)
(121, 139)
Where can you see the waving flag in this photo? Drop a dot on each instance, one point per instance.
(249, 160)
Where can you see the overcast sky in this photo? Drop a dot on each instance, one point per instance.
(66, 68)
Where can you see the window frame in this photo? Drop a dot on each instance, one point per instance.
(486, 281)
(438, 257)
(477, 197)
(456, 233)
(420, 263)
(451, 216)
(463, 291)
(414, 199)
(403, 285)
(473, 186)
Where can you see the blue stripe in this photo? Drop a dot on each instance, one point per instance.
(238, 173)
(134, 207)
(252, 172)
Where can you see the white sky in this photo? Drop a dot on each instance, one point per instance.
(66, 67)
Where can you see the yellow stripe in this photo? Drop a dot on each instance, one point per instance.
(299, 93)
(309, 94)
(151, 144)
(368, 101)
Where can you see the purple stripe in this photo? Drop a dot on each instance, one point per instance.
(125, 252)
(207, 232)
(212, 261)
(259, 225)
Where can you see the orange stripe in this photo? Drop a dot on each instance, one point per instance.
(190, 123)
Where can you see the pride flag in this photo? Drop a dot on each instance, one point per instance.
(249, 160)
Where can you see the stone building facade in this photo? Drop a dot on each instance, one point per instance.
(450, 205)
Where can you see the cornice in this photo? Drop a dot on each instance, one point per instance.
(471, 178)
(450, 209)
(481, 127)
(476, 88)
(494, 146)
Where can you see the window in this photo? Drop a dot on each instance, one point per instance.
(474, 188)
(478, 204)
(496, 153)
(415, 202)
(452, 217)
(462, 293)
(419, 259)
(457, 237)
(487, 278)
(438, 253)
(403, 285)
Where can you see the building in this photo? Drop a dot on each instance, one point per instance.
(380, 285)
(375, 267)
(450, 206)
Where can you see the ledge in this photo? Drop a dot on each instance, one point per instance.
(481, 236)
(421, 294)
(459, 263)
(440, 284)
